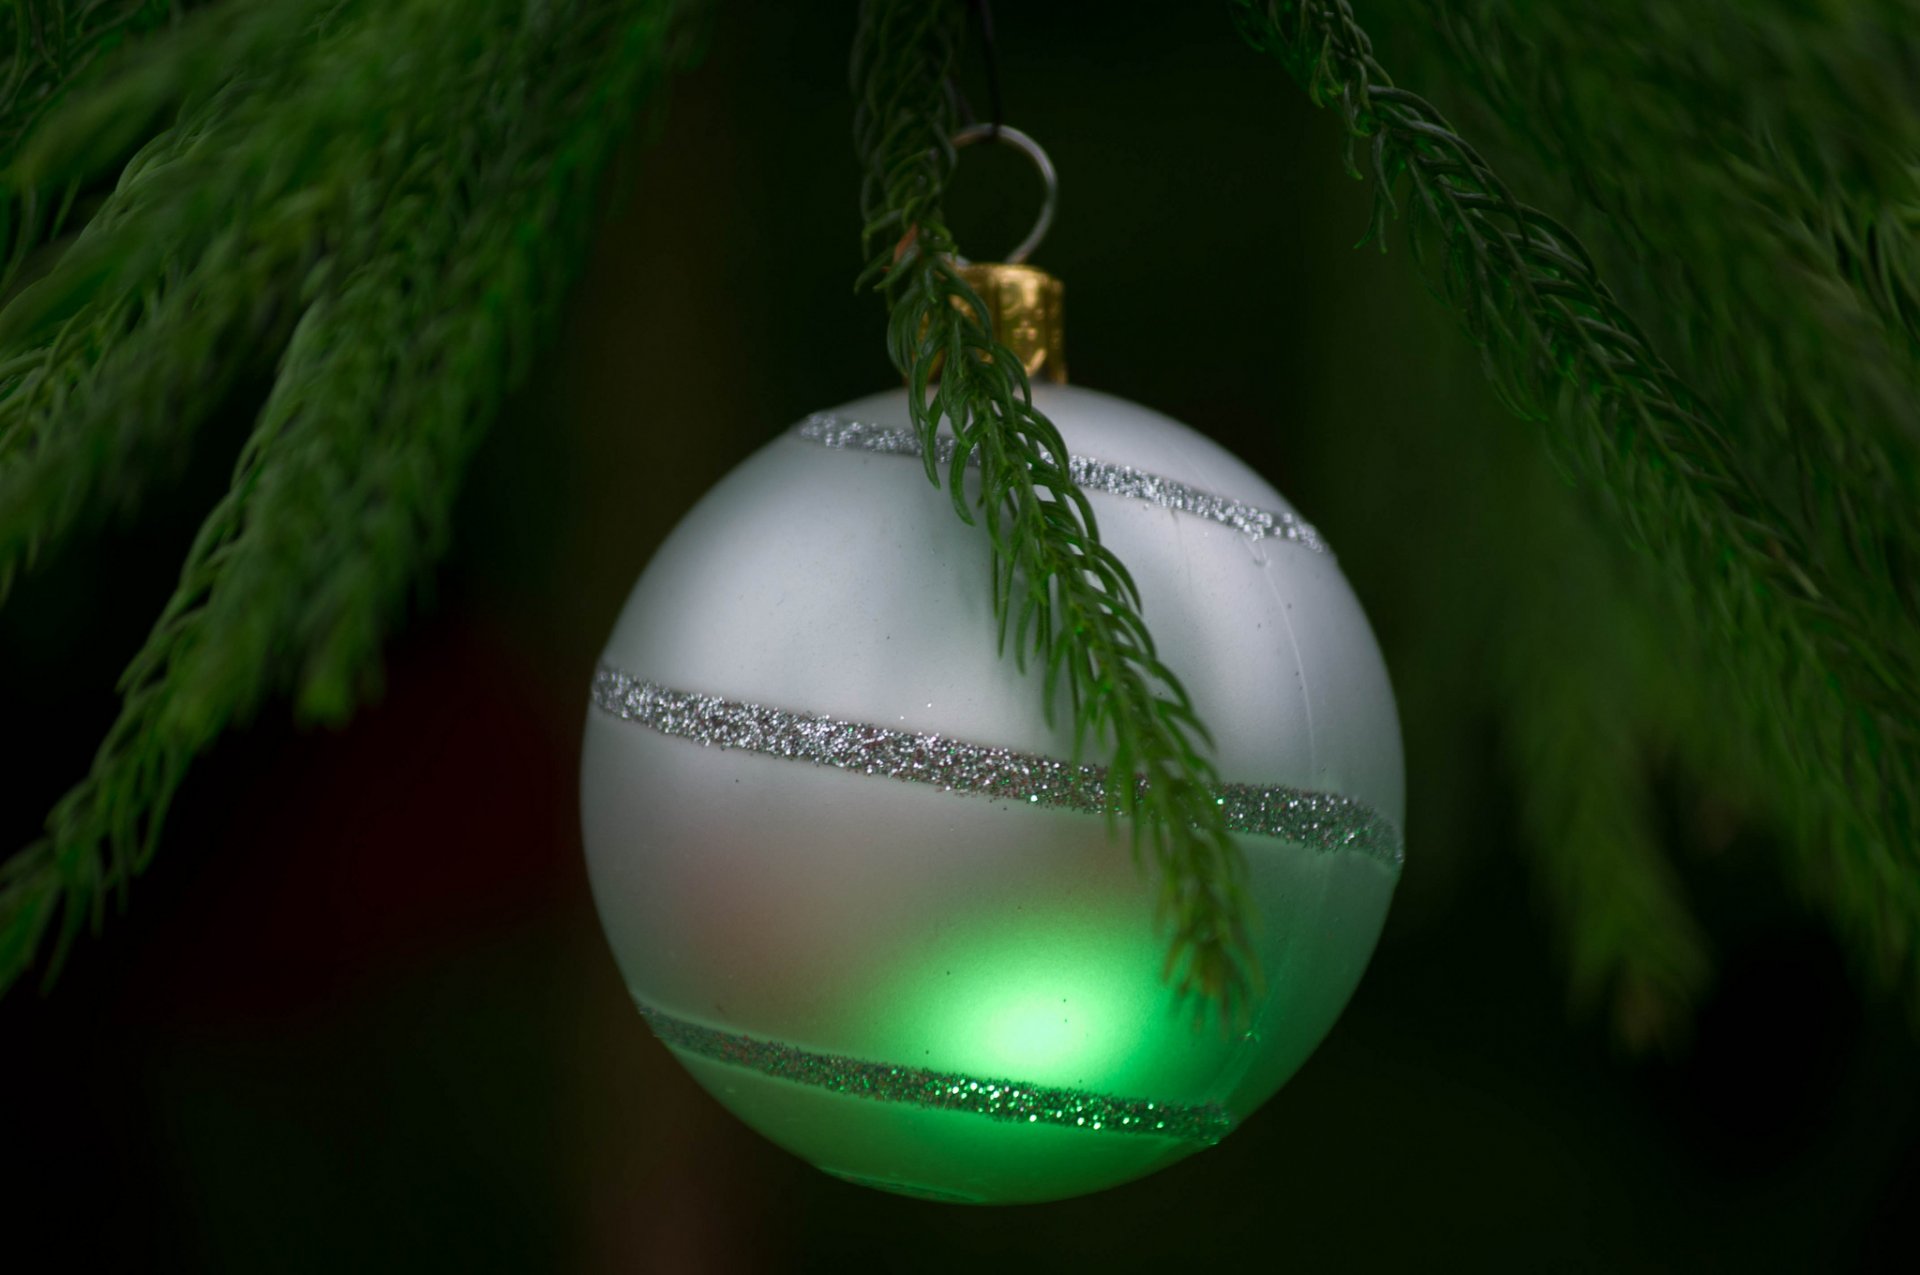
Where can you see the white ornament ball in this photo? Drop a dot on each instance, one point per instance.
(847, 873)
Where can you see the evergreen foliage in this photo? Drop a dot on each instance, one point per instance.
(375, 207)
(390, 234)
(53, 43)
(1775, 481)
(1061, 595)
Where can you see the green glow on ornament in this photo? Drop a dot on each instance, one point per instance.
(1051, 1022)
(1021, 1053)
(1036, 1033)
(1069, 1000)
(1007, 1103)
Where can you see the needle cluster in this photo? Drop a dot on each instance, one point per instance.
(377, 205)
(1773, 470)
(1063, 599)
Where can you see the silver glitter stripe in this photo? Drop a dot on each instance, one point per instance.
(1089, 475)
(1318, 820)
(1006, 1100)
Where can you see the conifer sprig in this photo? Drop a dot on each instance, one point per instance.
(398, 233)
(1802, 621)
(1765, 236)
(1061, 596)
(45, 47)
(1746, 210)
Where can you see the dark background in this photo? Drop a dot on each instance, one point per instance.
(359, 1015)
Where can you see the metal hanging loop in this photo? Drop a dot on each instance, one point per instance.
(1031, 149)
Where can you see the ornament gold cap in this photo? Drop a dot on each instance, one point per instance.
(1024, 305)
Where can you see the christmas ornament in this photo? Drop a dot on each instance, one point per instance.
(847, 867)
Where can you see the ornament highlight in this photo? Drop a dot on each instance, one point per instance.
(853, 877)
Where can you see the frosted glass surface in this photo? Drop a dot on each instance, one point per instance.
(898, 923)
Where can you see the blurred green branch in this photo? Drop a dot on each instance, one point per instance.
(1779, 499)
(383, 203)
(377, 205)
(52, 44)
(1062, 595)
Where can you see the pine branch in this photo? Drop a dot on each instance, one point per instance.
(188, 273)
(1732, 203)
(1061, 595)
(1800, 123)
(1752, 221)
(1826, 662)
(54, 44)
(1582, 668)
(416, 218)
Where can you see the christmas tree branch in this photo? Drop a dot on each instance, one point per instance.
(51, 42)
(1062, 595)
(56, 45)
(1751, 226)
(50, 45)
(1582, 665)
(185, 277)
(396, 232)
(1811, 624)
(1708, 157)
(1804, 356)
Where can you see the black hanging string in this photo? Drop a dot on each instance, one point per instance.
(982, 11)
